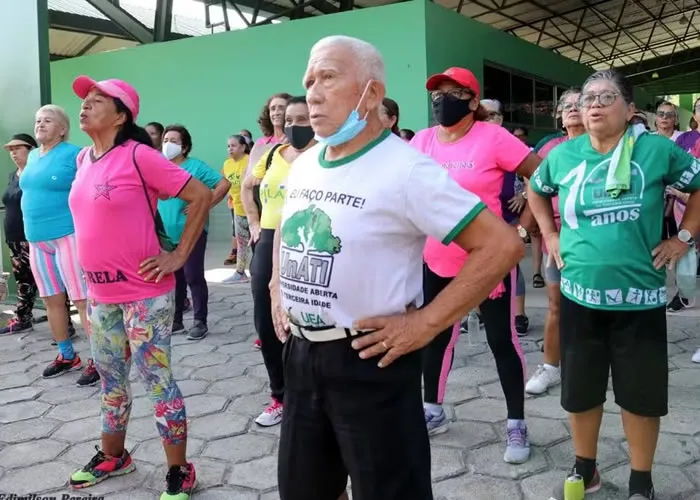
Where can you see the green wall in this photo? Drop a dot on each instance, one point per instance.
(216, 85)
(455, 40)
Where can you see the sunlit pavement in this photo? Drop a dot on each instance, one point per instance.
(50, 427)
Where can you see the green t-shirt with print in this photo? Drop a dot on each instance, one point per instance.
(605, 242)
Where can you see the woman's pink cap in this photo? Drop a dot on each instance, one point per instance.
(117, 89)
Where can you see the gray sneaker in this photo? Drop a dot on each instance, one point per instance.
(517, 445)
(236, 278)
(436, 424)
(198, 331)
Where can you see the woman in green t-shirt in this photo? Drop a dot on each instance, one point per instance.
(610, 184)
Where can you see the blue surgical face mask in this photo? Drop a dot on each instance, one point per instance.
(350, 129)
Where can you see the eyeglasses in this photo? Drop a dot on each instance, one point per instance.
(568, 106)
(494, 114)
(666, 114)
(456, 93)
(604, 98)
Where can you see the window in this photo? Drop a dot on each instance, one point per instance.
(544, 105)
(526, 101)
(522, 102)
(497, 86)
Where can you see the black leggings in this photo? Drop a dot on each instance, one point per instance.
(271, 347)
(498, 316)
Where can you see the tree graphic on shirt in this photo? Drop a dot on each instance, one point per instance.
(310, 229)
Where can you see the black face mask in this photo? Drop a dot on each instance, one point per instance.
(449, 110)
(299, 136)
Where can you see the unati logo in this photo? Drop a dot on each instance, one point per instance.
(587, 196)
(308, 247)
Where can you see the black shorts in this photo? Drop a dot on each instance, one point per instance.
(346, 416)
(631, 344)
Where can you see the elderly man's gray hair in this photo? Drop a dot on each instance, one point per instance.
(366, 55)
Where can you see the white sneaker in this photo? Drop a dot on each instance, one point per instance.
(272, 414)
(545, 377)
(696, 357)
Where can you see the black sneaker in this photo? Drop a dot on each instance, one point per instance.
(198, 331)
(71, 333)
(16, 326)
(522, 325)
(677, 304)
(90, 376)
(178, 328)
(59, 366)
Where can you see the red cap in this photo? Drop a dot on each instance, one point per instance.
(117, 89)
(460, 76)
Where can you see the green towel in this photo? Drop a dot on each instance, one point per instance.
(620, 169)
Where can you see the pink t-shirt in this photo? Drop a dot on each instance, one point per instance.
(114, 227)
(543, 152)
(268, 140)
(478, 162)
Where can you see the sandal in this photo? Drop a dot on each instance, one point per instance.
(538, 281)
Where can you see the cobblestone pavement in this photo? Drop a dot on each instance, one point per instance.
(50, 427)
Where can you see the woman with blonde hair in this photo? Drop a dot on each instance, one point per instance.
(48, 226)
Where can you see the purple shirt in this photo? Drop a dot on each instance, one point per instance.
(688, 139)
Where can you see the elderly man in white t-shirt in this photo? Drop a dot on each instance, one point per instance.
(347, 287)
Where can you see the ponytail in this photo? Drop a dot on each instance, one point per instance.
(129, 130)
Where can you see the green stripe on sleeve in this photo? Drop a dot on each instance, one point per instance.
(471, 215)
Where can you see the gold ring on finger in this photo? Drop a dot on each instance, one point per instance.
(386, 347)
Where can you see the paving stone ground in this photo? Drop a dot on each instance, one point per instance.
(50, 427)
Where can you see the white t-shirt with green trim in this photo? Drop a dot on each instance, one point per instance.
(353, 231)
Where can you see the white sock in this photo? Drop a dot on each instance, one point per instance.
(512, 423)
(550, 367)
(433, 408)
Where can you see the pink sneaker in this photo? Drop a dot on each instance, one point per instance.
(181, 481)
(272, 414)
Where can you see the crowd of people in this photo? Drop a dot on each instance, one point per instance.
(358, 362)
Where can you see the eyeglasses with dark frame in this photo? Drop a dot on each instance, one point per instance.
(605, 99)
(456, 93)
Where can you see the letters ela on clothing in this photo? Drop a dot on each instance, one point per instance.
(105, 277)
(307, 253)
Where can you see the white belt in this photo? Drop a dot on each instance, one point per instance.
(323, 335)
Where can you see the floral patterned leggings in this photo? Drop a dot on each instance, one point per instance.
(140, 330)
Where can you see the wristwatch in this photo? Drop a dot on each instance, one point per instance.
(686, 237)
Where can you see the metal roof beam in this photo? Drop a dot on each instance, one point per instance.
(125, 21)
(663, 63)
(163, 23)
(684, 10)
(84, 24)
(565, 43)
(663, 25)
(616, 25)
(550, 17)
(632, 52)
(581, 28)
